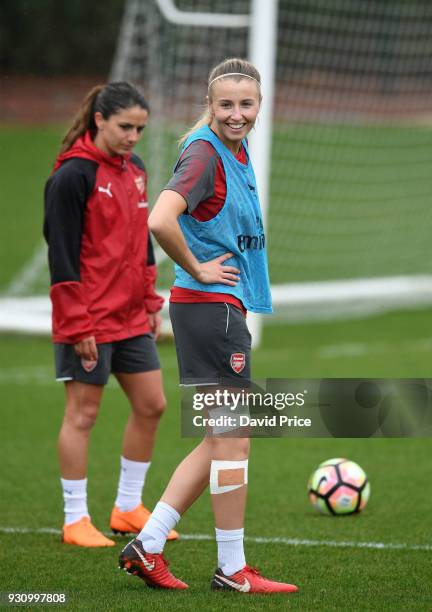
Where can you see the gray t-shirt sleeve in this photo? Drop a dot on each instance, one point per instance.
(195, 173)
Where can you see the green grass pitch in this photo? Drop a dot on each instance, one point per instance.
(336, 577)
(330, 578)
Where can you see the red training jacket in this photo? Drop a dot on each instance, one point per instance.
(101, 259)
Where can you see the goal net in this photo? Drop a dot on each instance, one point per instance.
(349, 217)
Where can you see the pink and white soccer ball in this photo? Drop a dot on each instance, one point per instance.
(339, 487)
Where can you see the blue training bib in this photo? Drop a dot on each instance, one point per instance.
(237, 228)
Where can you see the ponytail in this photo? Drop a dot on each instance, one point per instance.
(83, 120)
(205, 119)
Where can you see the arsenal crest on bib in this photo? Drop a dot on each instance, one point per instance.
(238, 362)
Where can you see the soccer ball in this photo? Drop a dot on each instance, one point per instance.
(339, 487)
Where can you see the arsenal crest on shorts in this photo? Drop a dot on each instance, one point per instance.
(238, 362)
(88, 366)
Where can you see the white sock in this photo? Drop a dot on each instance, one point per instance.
(131, 483)
(75, 499)
(231, 557)
(163, 518)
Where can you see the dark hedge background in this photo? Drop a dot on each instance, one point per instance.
(58, 37)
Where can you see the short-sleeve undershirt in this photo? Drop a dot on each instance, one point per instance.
(199, 177)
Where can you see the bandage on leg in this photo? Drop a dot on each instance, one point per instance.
(227, 476)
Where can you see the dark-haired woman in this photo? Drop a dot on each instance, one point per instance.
(105, 308)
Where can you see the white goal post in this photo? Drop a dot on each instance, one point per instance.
(341, 149)
(293, 300)
(262, 25)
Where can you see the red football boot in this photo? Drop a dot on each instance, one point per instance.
(249, 580)
(150, 567)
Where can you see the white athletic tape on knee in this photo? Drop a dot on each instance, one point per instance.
(227, 476)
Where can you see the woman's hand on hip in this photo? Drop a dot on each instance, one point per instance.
(215, 272)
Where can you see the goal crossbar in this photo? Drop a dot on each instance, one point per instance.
(201, 19)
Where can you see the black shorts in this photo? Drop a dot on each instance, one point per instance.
(213, 344)
(129, 356)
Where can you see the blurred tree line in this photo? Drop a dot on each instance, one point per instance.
(58, 37)
(78, 37)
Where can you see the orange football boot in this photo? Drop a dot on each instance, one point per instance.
(83, 533)
(133, 521)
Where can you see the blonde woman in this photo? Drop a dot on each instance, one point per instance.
(208, 220)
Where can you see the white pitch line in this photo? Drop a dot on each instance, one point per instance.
(343, 350)
(24, 280)
(255, 540)
(28, 375)
(36, 376)
(335, 351)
